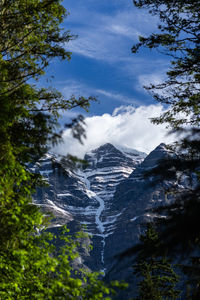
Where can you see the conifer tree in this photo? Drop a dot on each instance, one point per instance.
(178, 37)
(157, 279)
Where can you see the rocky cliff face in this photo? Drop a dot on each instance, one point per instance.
(135, 197)
(84, 197)
(111, 198)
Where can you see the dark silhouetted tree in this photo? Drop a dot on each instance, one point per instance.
(157, 279)
(178, 36)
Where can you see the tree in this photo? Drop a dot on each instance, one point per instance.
(157, 278)
(30, 266)
(179, 37)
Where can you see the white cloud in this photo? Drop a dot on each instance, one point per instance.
(127, 126)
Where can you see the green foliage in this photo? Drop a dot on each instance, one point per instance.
(157, 278)
(38, 271)
(30, 266)
(30, 37)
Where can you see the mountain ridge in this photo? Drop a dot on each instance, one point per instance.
(84, 195)
(110, 197)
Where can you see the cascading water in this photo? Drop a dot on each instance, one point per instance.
(98, 213)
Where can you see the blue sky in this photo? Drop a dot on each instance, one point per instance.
(102, 65)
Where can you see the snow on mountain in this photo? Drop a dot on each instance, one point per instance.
(130, 152)
(85, 195)
(110, 198)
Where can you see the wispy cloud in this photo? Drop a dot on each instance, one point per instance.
(106, 32)
(119, 97)
(77, 88)
(107, 36)
(123, 30)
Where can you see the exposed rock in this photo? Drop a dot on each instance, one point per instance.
(85, 196)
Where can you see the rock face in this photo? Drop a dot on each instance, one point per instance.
(135, 197)
(111, 197)
(84, 197)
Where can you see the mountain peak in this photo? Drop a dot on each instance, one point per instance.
(161, 147)
(110, 156)
(107, 146)
(159, 153)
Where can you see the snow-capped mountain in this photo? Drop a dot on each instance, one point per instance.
(111, 198)
(85, 196)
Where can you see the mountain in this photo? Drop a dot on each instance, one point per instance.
(111, 197)
(84, 197)
(135, 197)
